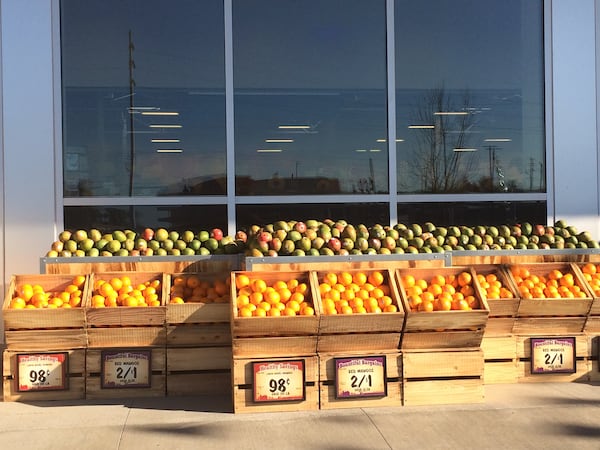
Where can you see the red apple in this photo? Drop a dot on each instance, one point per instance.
(148, 234)
(300, 227)
(216, 233)
(334, 244)
(241, 236)
(264, 236)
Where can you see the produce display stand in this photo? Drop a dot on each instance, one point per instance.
(198, 342)
(184, 349)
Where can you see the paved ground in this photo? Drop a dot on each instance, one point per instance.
(517, 416)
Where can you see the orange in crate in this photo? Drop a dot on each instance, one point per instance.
(194, 288)
(119, 290)
(33, 296)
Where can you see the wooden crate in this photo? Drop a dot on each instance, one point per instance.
(441, 329)
(443, 377)
(583, 363)
(392, 380)
(198, 370)
(125, 326)
(197, 323)
(74, 377)
(264, 337)
(552, 315)
(93, 375)
(44, 328)
(242, 384)
(594, 350)
(360, 332)
(500, 359)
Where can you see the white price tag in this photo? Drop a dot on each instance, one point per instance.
(126, 368)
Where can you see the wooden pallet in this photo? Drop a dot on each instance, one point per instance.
(74, 378)
(441, 329)
(392, 381)
(198, 370)
(443, 376)
(242, 383)
(94, 376)
(360, 332)
(43, 329)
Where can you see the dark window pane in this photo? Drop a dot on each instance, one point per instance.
(143, 98)
(355, 213)
(472, 213)
(310, 97)
(472, 74)
(179, 218)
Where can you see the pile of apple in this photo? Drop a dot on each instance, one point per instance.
(321, 237)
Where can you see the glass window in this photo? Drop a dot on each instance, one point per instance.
(355, 213)
(179, 218)
(310, 97)
(143, 98)
(469, 96)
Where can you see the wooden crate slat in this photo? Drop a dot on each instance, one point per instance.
(501, 347)
(198, 359)
(198, 335)
(39, 340)
(441, 339)
(127, 337)
(432, 364)
(198, 383)
(552, 325)
(265, 347)
(357, 342)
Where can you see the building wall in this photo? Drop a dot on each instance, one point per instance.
(31, 145)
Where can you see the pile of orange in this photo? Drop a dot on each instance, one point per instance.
(191, 288)
(555, 284)
(492, 286)
(33, 296)
(256, 297)
(440, 293)
(355, 293)
(120, 291)
(591, 273)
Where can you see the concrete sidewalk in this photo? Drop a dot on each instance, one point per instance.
(514, 416)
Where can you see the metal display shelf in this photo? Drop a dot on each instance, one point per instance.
(239, 261)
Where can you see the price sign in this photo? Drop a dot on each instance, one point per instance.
(553, 355)
(42, 371)
(277, 381)
(360, 377)
(126, 369)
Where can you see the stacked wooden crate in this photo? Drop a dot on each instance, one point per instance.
(358, 332)
(279, 350)
(128, 335)
(198, 340)
(442, 359)
(44, 357)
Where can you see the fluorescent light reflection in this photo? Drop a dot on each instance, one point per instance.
(164, 126)
(450, 113)
(421, 127)
(293, 127)
(165, 141)
(498, 140)
(169, 150)
(159, 113)
(278, 141)
(465, 149)
(269, 150)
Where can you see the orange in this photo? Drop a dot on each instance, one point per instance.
(242, 280)
(438, 279)
(464, 279)
(330, 278)
(345, 278)
(408, 280)
(258, 285)
(288, 312)
(79, 281)
(116, 283)
(176, 300)
(192, 281)
(359, 278)
(259, 312)
(375, 278)
(25, 292)
(274, 312)
(285, 294)
(292, 284)
(272, 297)
(307, 311)
(18, 303)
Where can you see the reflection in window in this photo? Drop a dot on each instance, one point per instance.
(143, 98)
(469, 96)
(310, 97)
